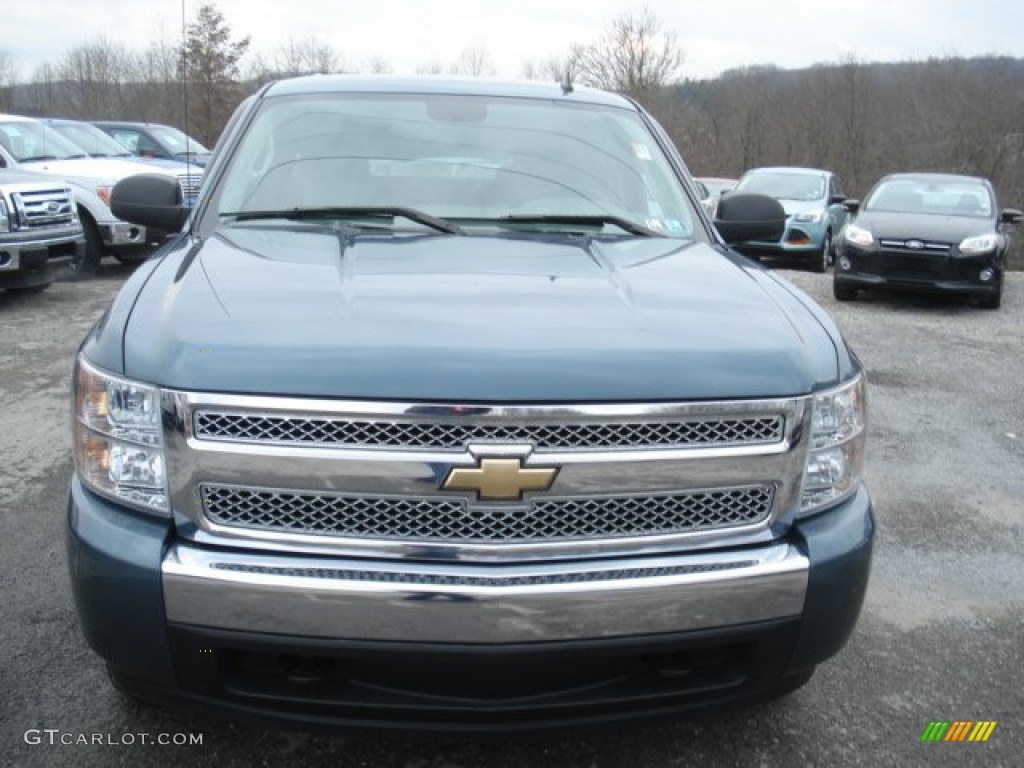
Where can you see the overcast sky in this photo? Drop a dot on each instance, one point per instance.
(715, 34)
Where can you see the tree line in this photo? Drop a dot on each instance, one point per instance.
(859, 119)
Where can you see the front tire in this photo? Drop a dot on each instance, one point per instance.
(85, 266)
(823, 258)
(131, 258)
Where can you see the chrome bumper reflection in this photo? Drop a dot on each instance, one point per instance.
(357, 600)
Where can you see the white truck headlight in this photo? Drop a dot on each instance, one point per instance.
(835, 456)
(118, 443)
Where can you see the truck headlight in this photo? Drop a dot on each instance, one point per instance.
(835, 456)
(118, 443)
(975, 246)
(814, 217)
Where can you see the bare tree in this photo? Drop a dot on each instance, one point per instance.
(377, 65)
(94, 75)
(155, 92)
(555, 68)
(854, 119)
(306, 58)
(474, 61)
(433, 67)
(634, 56)
(8, 78)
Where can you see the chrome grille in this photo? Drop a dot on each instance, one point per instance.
(44, 208)
(904, 246)
(330, 432)
(190, 185)
(452, 519)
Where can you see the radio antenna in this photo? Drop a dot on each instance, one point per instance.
(184, 98)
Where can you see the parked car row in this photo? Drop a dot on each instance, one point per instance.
(915, 231)
(89, 162)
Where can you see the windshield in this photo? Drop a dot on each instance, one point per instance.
(29, 141)
(783, 185)
(90, 139)
(463, 158)
(175, 141)
(945, 198)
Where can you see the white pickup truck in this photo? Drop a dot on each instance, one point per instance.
(39, 230)
(29, 145)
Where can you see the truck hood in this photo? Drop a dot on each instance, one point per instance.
(88, 169)
(309, 311)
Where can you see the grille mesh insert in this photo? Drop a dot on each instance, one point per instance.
(325, 431)
(452, 519)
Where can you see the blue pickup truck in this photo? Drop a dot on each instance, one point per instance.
(450, 408)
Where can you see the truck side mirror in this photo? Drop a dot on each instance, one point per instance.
(851, 205)
(154, 200)
(742, 217)
(1011, 216)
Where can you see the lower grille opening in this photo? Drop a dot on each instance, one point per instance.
(482, 686)
(482, 681)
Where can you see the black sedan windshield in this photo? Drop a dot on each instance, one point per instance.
(944, 198)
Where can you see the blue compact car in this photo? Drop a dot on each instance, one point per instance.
(815, 215)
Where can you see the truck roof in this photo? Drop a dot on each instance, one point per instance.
(460, 86)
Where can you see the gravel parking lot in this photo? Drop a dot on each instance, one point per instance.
(941, 636)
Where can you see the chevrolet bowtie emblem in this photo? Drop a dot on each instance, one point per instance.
(499, 479)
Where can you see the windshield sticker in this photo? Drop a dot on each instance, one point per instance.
(656, 225)
(642, 151)
(675, 226)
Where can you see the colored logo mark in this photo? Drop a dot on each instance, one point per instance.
(958, 730)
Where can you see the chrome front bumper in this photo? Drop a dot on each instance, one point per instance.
(359, 600)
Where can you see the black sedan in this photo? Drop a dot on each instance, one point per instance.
(926, 231)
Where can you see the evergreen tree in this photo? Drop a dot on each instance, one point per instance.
(210, 61)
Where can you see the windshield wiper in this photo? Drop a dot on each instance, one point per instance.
(385, 212)
(626, 225)
(38, 158)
